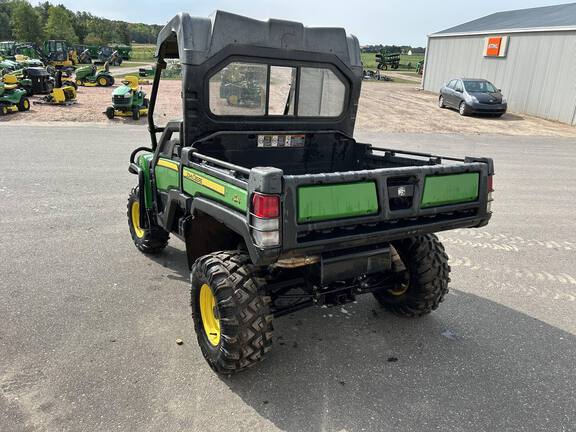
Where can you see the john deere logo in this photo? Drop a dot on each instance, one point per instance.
(401, 191)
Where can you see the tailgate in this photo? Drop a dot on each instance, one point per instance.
(384, 203)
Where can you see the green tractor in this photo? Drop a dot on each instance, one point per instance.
(128, 100)
(12, 99)
(89, 76)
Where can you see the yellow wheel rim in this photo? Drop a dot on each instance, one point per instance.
(208, 311)
(136, 220)
(78, 82)
(26, 104)
(399, 290)
(103, 81)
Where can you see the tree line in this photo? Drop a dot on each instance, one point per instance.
(21, 21)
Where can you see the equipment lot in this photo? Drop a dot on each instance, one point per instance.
(384, 107)
(89, 324)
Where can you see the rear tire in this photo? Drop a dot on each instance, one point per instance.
(441, 102)
(425, 281)
(148, 237)
(243, 334)
(3, 110)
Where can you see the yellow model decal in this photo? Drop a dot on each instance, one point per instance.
(203, 181)
(168, 164)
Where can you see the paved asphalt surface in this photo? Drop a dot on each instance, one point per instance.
(88, 324)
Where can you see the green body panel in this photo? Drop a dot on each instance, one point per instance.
(144, 164)
(337, 201)
(84, 72)
(233, 196)
(198, 183)
(166, 178)
(11, 96)
(450, 189)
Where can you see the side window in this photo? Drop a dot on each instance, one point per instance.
(458, 86)
(451, 84)
(321, 93)
(239, 89)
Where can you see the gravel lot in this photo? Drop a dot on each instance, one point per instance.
(384, 107)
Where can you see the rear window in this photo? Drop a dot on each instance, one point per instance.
(256, 89)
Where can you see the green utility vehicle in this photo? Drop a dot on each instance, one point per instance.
(90, 76)
(12, 98)
(128, 100)
(279, 207)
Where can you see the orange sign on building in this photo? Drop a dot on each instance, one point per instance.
(495, 46)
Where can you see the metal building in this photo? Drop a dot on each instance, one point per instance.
(529, 53)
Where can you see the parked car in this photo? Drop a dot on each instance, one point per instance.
(473, 96)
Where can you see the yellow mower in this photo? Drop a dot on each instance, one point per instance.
(60, 94)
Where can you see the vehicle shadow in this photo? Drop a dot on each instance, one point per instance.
(474, 365)
(505, 117)
(174, 259)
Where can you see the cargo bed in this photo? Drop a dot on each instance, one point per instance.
(354, 194)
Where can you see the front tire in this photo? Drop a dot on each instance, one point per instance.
(231, 314)
(135, 114)
(463, 109)
(421, 287)
(148, 237)
(24, 104)
(110, 112)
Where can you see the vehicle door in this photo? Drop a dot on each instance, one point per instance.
(458, 93)
(448, 93)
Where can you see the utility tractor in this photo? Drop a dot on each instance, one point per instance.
(279, 207)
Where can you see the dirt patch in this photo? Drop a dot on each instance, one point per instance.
(385, 107)
(405, 108)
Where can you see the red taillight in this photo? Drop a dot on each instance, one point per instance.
(490, 184)
(265, 206)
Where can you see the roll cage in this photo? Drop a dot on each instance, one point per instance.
(205, 45)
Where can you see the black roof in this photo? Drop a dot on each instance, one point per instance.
(553, 17)
(194, 39)
(36, 71)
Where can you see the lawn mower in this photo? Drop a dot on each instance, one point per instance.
(128, 100)
(12, 99)
(17, 79)
(61, 94)
(89, 76)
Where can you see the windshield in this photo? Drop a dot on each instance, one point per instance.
(258, 89)
(479, 87)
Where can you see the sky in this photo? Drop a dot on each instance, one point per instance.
(373, 22)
